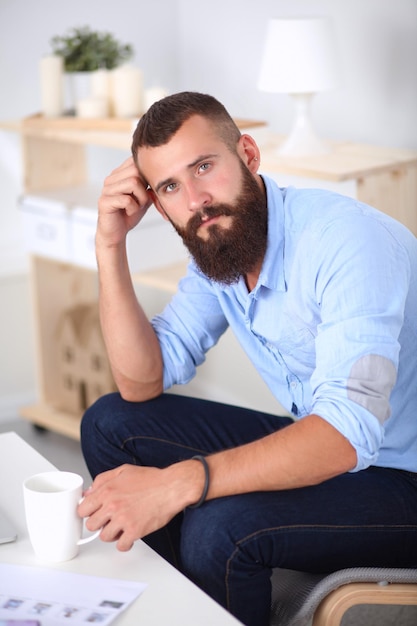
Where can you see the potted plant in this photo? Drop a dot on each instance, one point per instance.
(84, 52)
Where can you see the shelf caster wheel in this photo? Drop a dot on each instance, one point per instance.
(39, 429)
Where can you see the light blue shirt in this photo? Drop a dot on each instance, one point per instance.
(331, 324)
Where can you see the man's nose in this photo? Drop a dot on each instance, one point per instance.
(198, 197)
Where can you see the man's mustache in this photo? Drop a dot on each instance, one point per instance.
(213, 210)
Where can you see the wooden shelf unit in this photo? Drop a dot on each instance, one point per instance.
(385, 178)
(54, 157)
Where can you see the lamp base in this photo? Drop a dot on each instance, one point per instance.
(303, 141)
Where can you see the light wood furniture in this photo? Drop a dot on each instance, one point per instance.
(385, 178)
(54, 157)
(332, 609)
(324, 599)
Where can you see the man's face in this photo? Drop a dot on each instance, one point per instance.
(212, 199)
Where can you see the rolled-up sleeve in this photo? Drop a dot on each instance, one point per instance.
(189, 326)
(361, 286)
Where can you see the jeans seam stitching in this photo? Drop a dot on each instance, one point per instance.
(160, 440)
(296, 527)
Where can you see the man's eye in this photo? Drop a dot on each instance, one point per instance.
(204, 166)
(169, 188)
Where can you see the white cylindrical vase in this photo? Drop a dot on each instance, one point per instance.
(127, 91)
(152, 95)
(92, 108)
(51, 70)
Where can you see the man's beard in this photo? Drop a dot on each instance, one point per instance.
(230, 253)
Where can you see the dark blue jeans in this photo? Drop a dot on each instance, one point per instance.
(229, 545)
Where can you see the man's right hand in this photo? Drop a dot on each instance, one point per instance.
(131, 342)
(123, 203)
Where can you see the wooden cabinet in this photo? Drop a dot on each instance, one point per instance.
(54, 157)
(385, 178)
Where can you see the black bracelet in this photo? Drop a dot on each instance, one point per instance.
(202, 459)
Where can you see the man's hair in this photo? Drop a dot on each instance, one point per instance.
(165, 117)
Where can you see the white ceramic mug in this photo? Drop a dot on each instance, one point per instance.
(55, 529)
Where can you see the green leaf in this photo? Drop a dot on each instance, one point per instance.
(84, 50)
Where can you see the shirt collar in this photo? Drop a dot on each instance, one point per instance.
(272, 272)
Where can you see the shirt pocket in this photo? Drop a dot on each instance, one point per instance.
(296, 345)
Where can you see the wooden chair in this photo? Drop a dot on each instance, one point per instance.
(301, 599)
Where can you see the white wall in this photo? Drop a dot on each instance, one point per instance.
(214, 47)
(221, 47)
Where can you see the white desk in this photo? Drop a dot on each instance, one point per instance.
(170, 598)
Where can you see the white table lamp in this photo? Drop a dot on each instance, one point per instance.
(300, 59)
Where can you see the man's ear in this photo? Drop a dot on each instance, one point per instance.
(157, 204)
(248, 150)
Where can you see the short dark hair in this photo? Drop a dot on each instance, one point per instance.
(165, 117)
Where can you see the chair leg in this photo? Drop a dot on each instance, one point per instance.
(331, 610)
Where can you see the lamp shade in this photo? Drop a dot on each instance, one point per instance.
(299, 56)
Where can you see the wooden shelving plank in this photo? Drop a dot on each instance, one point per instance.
(50, 418)
(107, 132)
(344, 161)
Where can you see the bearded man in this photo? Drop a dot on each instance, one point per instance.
(321, 292)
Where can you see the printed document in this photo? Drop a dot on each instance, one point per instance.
(51, 597)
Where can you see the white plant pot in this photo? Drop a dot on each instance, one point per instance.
(77, 87)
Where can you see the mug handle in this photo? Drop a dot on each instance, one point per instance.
(89, 538)
(84, 540)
